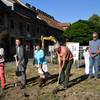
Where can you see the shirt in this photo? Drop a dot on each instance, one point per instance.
(2, 55)
(69, 55)
(39, 56)
(94, 45)
(17, 49)
(65, 51)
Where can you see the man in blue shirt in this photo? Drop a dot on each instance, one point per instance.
(94, 51)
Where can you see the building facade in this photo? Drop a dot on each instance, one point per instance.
(22, 20)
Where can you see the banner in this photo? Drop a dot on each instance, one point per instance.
(51, 48)
(74, 48)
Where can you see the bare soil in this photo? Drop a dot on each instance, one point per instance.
(80, 88)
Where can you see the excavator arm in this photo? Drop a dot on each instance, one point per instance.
(51, 38)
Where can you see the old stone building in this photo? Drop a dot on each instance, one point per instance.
(27, 22)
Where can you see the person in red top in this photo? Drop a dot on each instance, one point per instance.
(2, 73)
(65, 60)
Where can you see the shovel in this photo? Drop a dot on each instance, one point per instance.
(56, 89)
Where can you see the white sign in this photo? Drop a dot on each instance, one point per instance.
(82, 48)
(74, 48)
(87, 62)
(51, 48)
(1, 51)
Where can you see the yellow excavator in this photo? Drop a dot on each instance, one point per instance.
(51, 38)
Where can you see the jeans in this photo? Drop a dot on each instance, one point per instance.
(23, 78)
(65, 74)
(23, 74)
(94, 61)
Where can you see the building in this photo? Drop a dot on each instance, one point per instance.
(27, 22)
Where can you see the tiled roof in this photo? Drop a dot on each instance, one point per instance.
(50, 21)
(44, 16)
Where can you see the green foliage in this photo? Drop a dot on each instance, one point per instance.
(81, 30)
(95, 19)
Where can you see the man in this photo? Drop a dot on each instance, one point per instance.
(20, 61)
(94, 51)
(2, 65)
(65, 60)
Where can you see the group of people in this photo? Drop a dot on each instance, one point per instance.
(65, 61)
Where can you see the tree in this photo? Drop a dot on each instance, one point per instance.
(79, 32)
(95, 19)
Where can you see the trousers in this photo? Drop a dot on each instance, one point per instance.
(2, 76)
(64, 77)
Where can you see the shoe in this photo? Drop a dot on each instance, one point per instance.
(65, 88)
(60, 87)
(47, 74)
(90, 77)
(22, 87)
(3, 89)
(61, 83)
(96, 77)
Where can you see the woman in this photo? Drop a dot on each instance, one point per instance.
(41, 64)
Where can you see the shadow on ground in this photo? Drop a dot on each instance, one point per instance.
(75, 81)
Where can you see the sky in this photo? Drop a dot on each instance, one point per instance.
(67, 10)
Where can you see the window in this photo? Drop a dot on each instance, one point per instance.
(12, 41)
(28, 27)
(12, 24)
(21, 27)
(1, 19)
(38, 30)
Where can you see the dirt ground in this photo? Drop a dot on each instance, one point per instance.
(80, 88)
